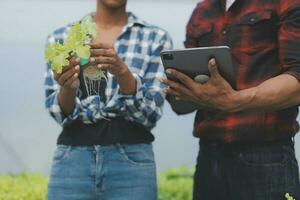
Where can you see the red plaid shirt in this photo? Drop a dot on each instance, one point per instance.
(264, 37)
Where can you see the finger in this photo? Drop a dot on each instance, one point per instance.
(184, 79)
(102, 52)
(70, 81)
(68, 74)
(75, 84)
(101, 46)
(183, 97)
(102, 60)
(179, 88)
(170, 83)
(56, 76)
(74, 61)
(213, 68)
(104, 66)
(178, 96)
(172, 92)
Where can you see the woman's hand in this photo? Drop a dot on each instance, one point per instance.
(106, 58)
(69, 82)
(68, 79)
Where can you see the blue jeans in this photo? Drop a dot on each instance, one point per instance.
(246, 172)
(117, 172)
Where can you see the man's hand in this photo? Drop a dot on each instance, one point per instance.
(215, 94)
(105, 56)
(68, 80)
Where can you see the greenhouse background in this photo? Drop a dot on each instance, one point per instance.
(27, 133)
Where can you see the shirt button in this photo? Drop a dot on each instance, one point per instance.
(224, 32)
(252, 19)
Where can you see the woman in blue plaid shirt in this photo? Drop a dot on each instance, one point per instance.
(104, 150)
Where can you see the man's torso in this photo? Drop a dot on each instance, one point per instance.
(250, 29)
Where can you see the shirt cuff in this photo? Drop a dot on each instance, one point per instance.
(139, 91)
(295, 73)
(70, 118)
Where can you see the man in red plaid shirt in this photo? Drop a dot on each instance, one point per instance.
(247, 134)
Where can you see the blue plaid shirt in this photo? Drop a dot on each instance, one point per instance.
(139, 46)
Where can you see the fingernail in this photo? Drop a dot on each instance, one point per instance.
(75, 75)
(77, 67)
(213, 61)
(99, 66)
(162, 80)
(92, 59)
(168, 71)
(77, 60)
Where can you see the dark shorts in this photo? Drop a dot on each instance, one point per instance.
(246, 172)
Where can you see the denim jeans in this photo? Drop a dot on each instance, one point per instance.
(246, 172)
(117, 172)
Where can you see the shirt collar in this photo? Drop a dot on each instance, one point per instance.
(134, 20)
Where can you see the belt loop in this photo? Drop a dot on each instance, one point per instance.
(120, 147)
(96, 148)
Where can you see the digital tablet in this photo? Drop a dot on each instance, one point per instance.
(194, 63)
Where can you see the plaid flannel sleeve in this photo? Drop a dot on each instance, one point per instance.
(145, 107)
(289, 37)
(51, 101)
(51, 92)
(191, 30)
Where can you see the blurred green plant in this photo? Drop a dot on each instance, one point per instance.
(24, 186)
(289, 197)
(174, 184)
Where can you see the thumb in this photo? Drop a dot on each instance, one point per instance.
(213, 68)
(75, 84)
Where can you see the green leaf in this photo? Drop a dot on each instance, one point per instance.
(57, 54)
(89, 26)
(59, 62)
(83, 52)
(50, 53)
